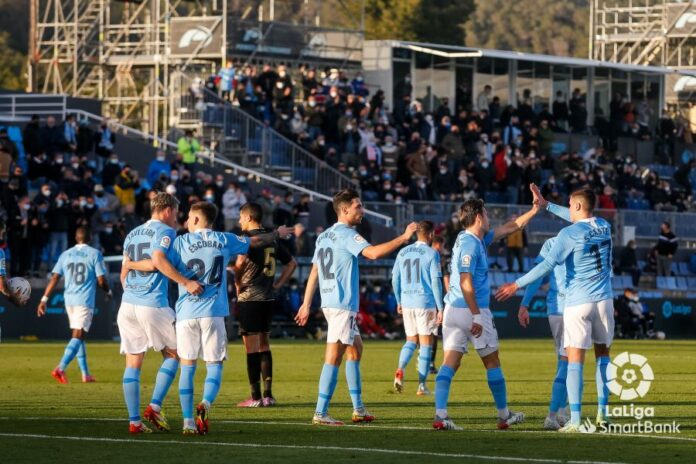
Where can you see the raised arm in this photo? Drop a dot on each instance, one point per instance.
(560, 211)
(516, 224)
(303, 313)
(385, 249)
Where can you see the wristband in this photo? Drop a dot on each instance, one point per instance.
(44, 299)
(477, 319)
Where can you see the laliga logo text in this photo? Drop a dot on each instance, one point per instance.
(629, 376)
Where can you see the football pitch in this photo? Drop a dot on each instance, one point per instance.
(43, 421)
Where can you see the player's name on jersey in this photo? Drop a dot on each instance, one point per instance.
(204, 244)
(142, 231)
(419, 250)
(596, 232)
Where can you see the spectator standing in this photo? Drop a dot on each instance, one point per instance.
(188, 147)
(31, 137)
(232, 200)
(484, 98)
(267, 206)
(628, 262)
(51, 138)
(158, 167)
(111, 172)
(126, 184)
(104, 141)
(58, 218)
(667, 244)
(70, 134)
(516, 248)
(226, 76)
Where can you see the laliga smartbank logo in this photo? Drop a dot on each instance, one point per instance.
(629, 377)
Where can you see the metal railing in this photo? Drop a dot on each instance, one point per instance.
(14, 106)
(269, 149)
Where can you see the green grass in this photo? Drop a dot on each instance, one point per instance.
(35, 408)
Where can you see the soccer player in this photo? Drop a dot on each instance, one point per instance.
(256, 286)
(588, 317)
(439, 246)
(468, 317)
(83, 268)
(335, 268)
(203, 254)
(416, 280)
(145, 319)
(555, 298)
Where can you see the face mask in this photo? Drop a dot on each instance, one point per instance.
(108, 230)
(387, 186)
(312, 104)
(359, 78)
(362, 173)
(76, 165)
(59, 203)
(210, 198)
(443, 171)
(349, 127)
(407, 80)
(26, 207)
(241, 179)
(333, 94)
(484, 165)
(219, 183)
(349, 113)
(293, 287)
(160, 158)
(59, 160)
(89, 205)
(421, 185)
(46, 193)
(376, 178)
(114, 161)
(83, 203)
(378, 289)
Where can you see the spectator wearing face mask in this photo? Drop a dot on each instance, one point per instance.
(107, 204)
(58, 218)
(111, 240)
(157, 167)
(126, 185)
(232, 200)
(188, 147)
(111, 172)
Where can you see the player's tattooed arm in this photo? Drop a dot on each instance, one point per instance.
(165, 267)
(265, 240)
(41, 310)
(467, 284)
(303, 313)
(385, 249)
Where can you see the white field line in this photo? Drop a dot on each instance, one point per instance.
(360, 427)
(299, 447)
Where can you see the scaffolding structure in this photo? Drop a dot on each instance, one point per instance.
(644, 32)
(139, 57)
(121, 53)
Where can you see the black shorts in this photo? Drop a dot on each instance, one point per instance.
(255, 316)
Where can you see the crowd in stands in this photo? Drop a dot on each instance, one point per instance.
(484, 149)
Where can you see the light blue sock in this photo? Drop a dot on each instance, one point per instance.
(574, 386)
(186, 390)
(213, 379)
(496, 382)
(327, 385)
(70, 352)
(559, 393)
(131, 392)
(164, 379)
(406, 354)
(82, 358)
(354, 383)
(424, 362)
(601, 379)
(442, 388)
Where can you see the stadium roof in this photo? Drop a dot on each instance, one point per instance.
(453, 51)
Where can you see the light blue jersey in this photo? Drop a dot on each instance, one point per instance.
(336, 257)
(469, 256)
(80, 265)
(586, 250)
(203, 256)
(3, 265)
(417, 278)
(555, 296)
(147, 288)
